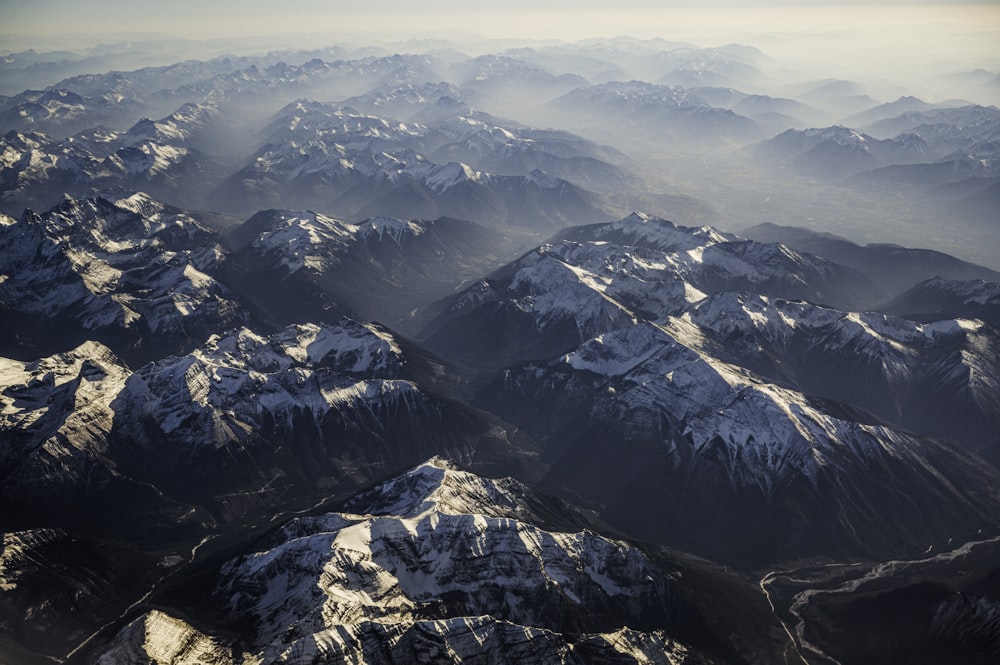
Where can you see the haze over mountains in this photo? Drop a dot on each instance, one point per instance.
(597, 351)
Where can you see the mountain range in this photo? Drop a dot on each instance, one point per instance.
(356, 355)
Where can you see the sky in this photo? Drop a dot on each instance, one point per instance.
(562, 18)
(901, 35)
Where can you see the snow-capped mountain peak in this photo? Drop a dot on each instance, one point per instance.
(299, 239)
(437, 486)
(343, 570)
(115, 264)
(444, 177)
(380, 227)
(839, 134)
(245, 376)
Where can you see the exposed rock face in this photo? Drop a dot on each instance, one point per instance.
(672, 362)
(57, 587)
(132, 272)
(638, 417)
(157, 638)
(304, 266)
(244, 422)
(598, 278)
(436, 566)
(331, 157)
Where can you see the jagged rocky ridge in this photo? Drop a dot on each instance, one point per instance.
(304, 266)
(332, 158)
(773, 416)
(648, 428)
(126, 270)
(241, 423)
(440, 565)
(596, 278)
(160, 157)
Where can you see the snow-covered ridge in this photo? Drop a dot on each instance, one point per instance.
(437, 486)
(726, 313)
(27, 387)
(637, 94)
(770, 432)
(307, 240)
(378, 228)
(308, 120)
(642, 229)
(150, 151)
(602, 276)
(54, 107)
(55, 414)
(241, 413)
(919, 376)
(323, 576)
(115, 263)
(443, 177)
(841, 151)
(217, 394)
(405, 99)
(336, 149)
(174, 129)
(302, 239)
(157, 637)
(245, 377)
(839, 134)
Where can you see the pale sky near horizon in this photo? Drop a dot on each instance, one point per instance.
(900, 34)
(510, 18)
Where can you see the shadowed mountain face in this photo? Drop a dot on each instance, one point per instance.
(307, 267)
(837, 152)
(328, 157)
(597, 278)
(640, 418)
(937, 298)
(893, 268)
(647, 359)
(128, 271)
(242, 423)
(439, 558)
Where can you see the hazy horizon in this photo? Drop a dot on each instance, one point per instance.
(888, 40)
(892, 49)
